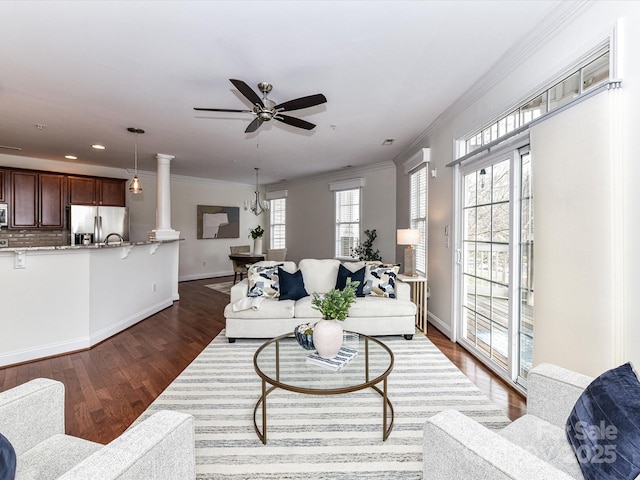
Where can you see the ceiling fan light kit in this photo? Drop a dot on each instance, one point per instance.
(266, 109)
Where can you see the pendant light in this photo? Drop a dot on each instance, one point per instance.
(134, 186)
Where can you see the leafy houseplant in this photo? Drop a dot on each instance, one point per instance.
(364, 251)
(256, 232)
(334, 305)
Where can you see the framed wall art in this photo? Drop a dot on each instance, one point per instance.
(218, 222)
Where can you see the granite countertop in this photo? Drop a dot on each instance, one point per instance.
(95, 246)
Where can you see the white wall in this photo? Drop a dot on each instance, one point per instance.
(311, 216)
(557, 51)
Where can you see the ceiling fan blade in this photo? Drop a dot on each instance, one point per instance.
(221, 110)
(302, 102)
(296, 122)
(254, 125)
(247, 91)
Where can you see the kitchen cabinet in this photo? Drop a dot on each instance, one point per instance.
(37, 200)
(3, 186)
(96, 191)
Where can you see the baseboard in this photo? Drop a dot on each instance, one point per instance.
(101, 335)
(44, 351)
(83, 343)
(445, 328)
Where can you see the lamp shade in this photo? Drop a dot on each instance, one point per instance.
(408, 236)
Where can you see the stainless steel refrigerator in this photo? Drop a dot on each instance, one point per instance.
(93, 224)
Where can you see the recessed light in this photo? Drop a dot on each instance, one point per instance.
(98, 146)
(388, 141)
(70, 157)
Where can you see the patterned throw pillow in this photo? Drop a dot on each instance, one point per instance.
(380, 280)
(264, 281)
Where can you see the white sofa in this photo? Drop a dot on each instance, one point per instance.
(370, 315)
(32, 418)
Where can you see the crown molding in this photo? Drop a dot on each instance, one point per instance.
(554, 21)
(333, 176)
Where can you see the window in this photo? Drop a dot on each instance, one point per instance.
(418, 180)
(592, 73)
(277, 223)
(347, 221)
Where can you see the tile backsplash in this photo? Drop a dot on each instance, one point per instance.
(33, 238)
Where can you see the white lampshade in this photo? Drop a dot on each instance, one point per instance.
(408, 236)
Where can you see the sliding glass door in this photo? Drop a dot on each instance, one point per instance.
(495, 269)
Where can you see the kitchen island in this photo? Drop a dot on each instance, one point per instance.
(55, 300)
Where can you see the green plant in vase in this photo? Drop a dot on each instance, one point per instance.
(257, 233)
(334, 307)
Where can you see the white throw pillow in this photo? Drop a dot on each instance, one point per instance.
(319, 275)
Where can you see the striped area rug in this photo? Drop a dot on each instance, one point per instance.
(317, 437)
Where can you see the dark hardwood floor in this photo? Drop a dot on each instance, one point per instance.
(110, 385)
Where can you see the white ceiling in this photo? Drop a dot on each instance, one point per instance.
(88, 70)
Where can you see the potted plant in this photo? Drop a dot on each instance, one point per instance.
(334, 307)
(257, 233)
(364, 250)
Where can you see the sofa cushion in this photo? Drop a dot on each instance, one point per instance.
(53, 457)
(358, 276)
(270, 308)
(264, 281)
(380, 280)
(319, 275)
(604, 426)
(373, 306)
(544, 440)
(7, 459)
(363, 307)
(291, 285)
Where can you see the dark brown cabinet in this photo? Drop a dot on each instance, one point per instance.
(37, 200)
(3, 186)
(96, 191)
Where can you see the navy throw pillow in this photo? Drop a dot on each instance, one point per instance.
(291, 285)
(344, 273)
(7, 459)
(604, 426)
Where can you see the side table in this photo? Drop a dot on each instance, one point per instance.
(419, 297)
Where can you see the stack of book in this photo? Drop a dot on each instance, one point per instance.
(343, 357)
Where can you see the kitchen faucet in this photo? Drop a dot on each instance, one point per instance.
(106, 240)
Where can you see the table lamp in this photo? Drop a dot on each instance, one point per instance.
(409, 237)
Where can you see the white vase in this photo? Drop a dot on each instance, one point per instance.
(327, 337)
(257, 246)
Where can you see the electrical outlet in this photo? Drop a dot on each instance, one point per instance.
(153, 287)
(204, 264)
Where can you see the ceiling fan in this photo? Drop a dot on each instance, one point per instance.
(266, 109)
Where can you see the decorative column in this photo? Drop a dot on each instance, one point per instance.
(163, 229)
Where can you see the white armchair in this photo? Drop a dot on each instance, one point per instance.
(32, 418)
(534, 447)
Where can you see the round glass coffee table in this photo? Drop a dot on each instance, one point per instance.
(282, 363)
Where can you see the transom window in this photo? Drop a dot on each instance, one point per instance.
(593, 73)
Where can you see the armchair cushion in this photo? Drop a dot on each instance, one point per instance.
(604, 426)
(7, 459)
